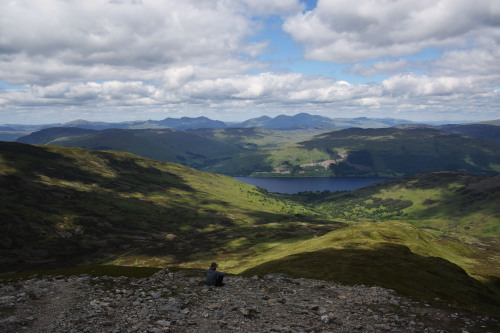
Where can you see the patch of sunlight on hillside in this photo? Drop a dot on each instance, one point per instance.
(417, 196)
(6, 167)
(296, 156)
(237, 243)
(495, 167)
(88, 161)
(360, 236)
(469, 161)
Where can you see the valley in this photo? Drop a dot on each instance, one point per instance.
(311, 152)
(64, 206)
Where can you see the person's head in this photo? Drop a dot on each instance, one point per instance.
(213, 266)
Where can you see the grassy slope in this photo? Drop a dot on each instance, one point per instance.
(74, 205)
(58, 202)
(382, 152)
(161, 144)
(394, 255)
(253, 138)
(451, 203)
(392, 152)
(235, 151)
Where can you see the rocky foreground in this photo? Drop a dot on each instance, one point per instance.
(179, 302)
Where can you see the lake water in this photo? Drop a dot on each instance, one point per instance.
(295, 185)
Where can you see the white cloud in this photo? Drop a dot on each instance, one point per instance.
(47, 40)
(416, 85)
(145, 58)
(349, 31)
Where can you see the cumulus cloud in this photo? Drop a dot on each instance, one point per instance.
(51, 40)
(349, 31)
(142, 58)
(417, 85)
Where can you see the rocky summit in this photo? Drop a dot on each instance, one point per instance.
(180, 302)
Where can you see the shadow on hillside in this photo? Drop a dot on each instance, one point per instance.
(390, 266)
(44, 223)
(126, 174)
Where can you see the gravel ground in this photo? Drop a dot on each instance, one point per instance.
(180, 302)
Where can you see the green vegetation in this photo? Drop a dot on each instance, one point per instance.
(390, 266)
(382, 152)
(60, 203)
(453, 203)
(391, 152)
(394, 255)
(427, 236)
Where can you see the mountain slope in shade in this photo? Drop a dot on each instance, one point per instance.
(305, 120)
(160, 144)
(63, 204)
(480, 131)
(396, 152)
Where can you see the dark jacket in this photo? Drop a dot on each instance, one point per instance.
(212, 275)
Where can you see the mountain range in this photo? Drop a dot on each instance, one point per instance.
(11, 132)
(283, 122)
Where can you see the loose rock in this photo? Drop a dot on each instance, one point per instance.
(274, 303)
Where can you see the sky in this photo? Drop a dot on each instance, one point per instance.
(231, 60)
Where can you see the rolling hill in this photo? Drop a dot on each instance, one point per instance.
(61, 203)
(455, 204)
(11, 132)
(385, 152)
(488, 132)
(67, 206)
(239, 151)
(305, 120)
(495, 122)
(480, 131)
(160, 144)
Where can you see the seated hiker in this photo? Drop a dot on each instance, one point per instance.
(215, 278)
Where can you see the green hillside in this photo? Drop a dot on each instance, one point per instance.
(234, 151)
(159, 144)
(70, 206)
(60, 203)
(383, 152)
(388, 152)
(257, 138)
(446, 202)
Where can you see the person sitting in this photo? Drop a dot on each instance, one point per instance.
(215, 278)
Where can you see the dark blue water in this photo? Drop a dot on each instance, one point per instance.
(295, 185)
